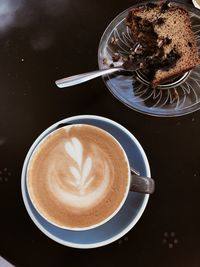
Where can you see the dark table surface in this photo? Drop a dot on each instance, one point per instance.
(41, 41)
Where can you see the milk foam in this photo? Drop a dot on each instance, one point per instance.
(83, 200)
(78, 190)
(78, 176)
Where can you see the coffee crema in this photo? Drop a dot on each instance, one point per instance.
(78, 176)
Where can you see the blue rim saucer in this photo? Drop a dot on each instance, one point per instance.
(124, 220)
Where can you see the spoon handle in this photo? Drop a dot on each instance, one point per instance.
(81, 78)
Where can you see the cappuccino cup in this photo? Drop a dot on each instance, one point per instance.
(78, 177)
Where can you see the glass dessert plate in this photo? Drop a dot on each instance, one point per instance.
(178, 97)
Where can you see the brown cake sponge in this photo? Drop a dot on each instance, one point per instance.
(167, 46)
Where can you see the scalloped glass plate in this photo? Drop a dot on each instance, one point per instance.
(175, 98)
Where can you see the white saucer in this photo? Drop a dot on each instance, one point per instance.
(125, 219)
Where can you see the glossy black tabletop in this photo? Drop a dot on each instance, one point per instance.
(41, 41)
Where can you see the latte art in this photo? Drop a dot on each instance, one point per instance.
(78, 176)
(79, 189)
(81, 171)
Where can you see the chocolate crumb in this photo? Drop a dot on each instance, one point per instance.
(129, 17)
(165, 6)
(168, 41)
(164, 63)
(151, 5)
(116, 57)
(105, 61)
(114, 41)
(159, 21)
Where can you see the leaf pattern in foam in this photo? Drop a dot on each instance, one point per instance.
(76, 175)
(75, 150)
(87, 166)
(88, 182)
(78, 150)
(81, 177)
(70, 150)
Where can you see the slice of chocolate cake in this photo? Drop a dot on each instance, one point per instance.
(166, 44)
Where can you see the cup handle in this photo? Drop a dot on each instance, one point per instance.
(142, 184)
